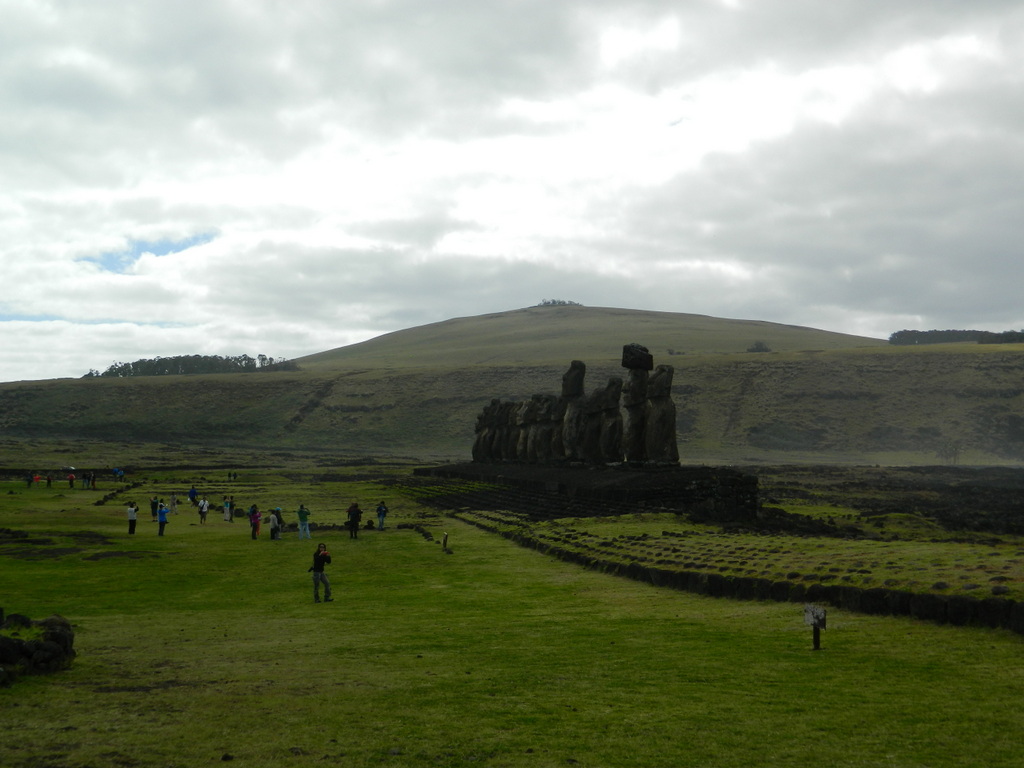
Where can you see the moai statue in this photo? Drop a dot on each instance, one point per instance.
(524, 414)
(531, 424)
(556, 451)
(507, 435)
(638, 361)
(538, 447)
(485, 426)
(572, 405)
(611, 423)
(601, 441)
(551, 424)
(661, 417)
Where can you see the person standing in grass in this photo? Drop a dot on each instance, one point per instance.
(229, 516)
(254, 521)
(382, 512)
(275, 525)
(154, 505)
(133, 517)
(321, 558)
(354, 515)
(303, 515)
(204, 508)
(161, 517)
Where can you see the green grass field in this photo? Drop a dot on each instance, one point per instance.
(205, 647)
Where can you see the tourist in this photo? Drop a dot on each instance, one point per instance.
(354, 515)
(204, 508)
(133, 517)
(193, 496)
(382, 512)
(254, 521)
(320, 558)
(228, 514)
(161, 517)
(275, 525)
(303, 515)
(154, 504)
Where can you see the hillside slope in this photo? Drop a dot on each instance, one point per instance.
(557, 334)
(818, 397)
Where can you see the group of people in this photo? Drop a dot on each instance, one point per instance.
(275, 522)
(274, 518)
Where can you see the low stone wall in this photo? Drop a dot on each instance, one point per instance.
(959, 610)
(48, 647)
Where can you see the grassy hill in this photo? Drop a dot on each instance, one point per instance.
(818, 396)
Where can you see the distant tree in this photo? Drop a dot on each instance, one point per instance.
(949, 451)
(938, 337)
(186, 364)
(759, 346)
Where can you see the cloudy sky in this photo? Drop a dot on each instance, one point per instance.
(285, 177)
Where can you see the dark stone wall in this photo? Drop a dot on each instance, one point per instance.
(50, 648)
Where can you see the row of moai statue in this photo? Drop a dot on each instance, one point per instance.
(632, 420)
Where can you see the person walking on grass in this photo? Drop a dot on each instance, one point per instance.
(303, 515)
(133, 517)
(382, 512)
(275, 525)
(354, 515)
(161, 517)
(204, 508)
(321, 558)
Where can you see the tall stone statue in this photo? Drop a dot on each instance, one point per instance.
(611, 423)
(572, 401)
(638, 361)
(602, 425)
(661, 417)
(538, 447)
(486, 424)
(634, 427)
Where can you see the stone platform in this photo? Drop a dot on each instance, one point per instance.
(720, 493)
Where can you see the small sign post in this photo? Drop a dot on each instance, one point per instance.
(815, 616)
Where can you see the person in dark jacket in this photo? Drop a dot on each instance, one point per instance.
(321, 558)
(355, 515)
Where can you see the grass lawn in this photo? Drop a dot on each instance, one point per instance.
(204, 647)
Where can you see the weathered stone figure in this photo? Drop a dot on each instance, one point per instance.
(638, 361)
(634, 427)
(486, 424)
(556, 452)
(602, 424)
(508, 435)
(661, 417)
(572, 420)
(611, 423)
(538, 446)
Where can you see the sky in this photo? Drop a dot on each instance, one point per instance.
(284, 177)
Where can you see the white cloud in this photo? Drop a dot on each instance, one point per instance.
(308, 175)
